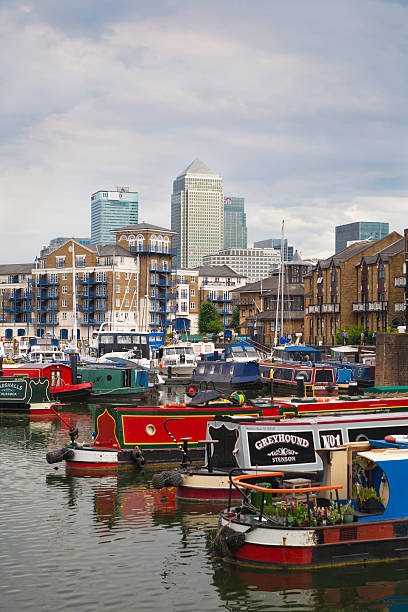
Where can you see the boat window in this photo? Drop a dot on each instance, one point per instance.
(135, 339)
(232, 369)
(237, 351)
(124, 340)
(283, 373)
(324, 376)
(170, 351)
(108, 339)
(201, 369)
(251, 351)
(142, 339)
(305, 375)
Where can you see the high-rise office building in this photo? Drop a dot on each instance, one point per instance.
(197, 214)
(275, 243)
(235, 229)
(360, 230)
(110, 210)
(254, 264)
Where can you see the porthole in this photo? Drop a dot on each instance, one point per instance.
(109, 377)
(150, 430)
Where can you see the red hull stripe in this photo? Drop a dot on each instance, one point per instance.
(197, 494)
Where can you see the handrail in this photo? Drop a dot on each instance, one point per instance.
(237, 481)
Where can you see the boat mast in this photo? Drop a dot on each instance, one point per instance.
(74, 309)
(282, 275)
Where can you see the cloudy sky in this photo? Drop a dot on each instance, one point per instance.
(301, 106)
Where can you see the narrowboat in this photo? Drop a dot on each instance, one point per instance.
(23, 395)
(60, 375)
(288, 377)
(142, 345)
(131, 435)
(241, 352)
(298, 527)
(231, 374)
(234, 442)
(113, 382)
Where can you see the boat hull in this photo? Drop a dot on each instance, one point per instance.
(206, 488)
(280, 548)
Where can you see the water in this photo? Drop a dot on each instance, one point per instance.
(114, 543)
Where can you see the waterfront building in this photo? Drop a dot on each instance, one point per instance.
(251, 263)
(260, 304)
(360, 230)
(187, 301)
(197, 214)
(275, 243)
(56, 242)
(111, 210)
(235, 229)
(216, 284)
(361, 285)
(126, 285)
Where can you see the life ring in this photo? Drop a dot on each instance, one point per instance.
(191, 391)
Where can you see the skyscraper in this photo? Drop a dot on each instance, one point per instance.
(235, 229)
(110, 210)
(360, 230)
(275, 243)
(197, 214)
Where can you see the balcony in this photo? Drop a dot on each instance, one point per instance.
(46, 282)
(219, 299)
(153, 250)
(370, 306)
(400, 281)
(91, 281)
(330, 308)
(161, 269)
(399, 307)
(313, 309)
(162, 282)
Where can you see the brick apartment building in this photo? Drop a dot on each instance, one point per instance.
(361, 285)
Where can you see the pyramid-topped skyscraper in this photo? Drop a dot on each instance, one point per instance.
(197, 214)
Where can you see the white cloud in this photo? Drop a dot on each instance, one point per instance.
(301, 108)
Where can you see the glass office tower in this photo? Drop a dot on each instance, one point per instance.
(111, 210)
(360, 230)
(235, 229)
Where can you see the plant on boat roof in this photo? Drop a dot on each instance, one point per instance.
(365, 493)
(347, 508)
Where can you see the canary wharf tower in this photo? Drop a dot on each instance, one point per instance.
(197, 214)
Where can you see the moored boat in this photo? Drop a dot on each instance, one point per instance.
(114, 382)
(228, 374)
(311, 532)
(22, 395)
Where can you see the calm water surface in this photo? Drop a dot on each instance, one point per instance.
(114, 543)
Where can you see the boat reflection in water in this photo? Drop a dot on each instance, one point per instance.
(334, 589)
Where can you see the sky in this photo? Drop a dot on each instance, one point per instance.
(300, 106)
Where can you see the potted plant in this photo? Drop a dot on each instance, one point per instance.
(367, 499)
(347, 512)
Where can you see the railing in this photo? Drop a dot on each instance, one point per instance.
(400, 281)
(154, 250)
(330, 308)
(313, 309)
(370, 306)
(399, 307)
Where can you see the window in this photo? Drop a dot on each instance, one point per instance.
(192, 292)
(127, 275)
(64, 276)
(118, 276)
(60, 261)
(80, 261)
(64, 290)
(183, 307)
(192, 305)
(64, 303)
(126, 303)
(117, 302)
(64, 316)
(117, 288)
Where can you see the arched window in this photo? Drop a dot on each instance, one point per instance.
(166, 244)
(140, 241)
(153, 244)
(123, 237)
(159, 244)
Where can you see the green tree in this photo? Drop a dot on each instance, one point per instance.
(209, 319)
(235, 319)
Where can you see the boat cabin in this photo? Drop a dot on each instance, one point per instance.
(228, 373)
(143, 344)
(288, 378)
(293, 444)
(241, 351)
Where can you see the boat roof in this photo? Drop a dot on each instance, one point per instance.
(328, 419)
(379, 455)
(301, 349)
